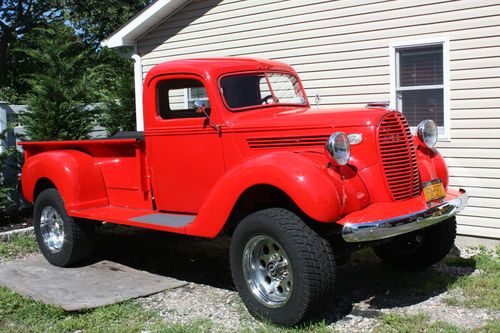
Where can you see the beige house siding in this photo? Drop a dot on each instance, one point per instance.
(341, 51)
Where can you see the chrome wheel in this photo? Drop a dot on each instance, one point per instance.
(267, 271)
(52, 229)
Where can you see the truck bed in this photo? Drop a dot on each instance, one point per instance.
(121, 162)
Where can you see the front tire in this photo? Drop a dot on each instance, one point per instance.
(420, 249)
(63, 241)
(283, 270)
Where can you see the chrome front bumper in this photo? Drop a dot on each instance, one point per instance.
(371, 231)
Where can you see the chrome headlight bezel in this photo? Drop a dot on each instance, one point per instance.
(338, 148)
(427, 132)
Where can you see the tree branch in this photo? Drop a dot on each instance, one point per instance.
(5, 27)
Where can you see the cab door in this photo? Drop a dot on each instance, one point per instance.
(184, 149)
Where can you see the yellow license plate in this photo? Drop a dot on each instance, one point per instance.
(433, 190)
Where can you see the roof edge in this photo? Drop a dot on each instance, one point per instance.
(144, 21)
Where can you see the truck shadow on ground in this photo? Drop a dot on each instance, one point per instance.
(365, 283)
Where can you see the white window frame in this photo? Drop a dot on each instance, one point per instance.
(444, 131)
(188, 98)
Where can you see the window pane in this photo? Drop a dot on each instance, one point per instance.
(418, 105)
(421, 66)
(286, 88)
(264, 90)
(176, 98)
(197, 93)
(242, 90)
(247, 90)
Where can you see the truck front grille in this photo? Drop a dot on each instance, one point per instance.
(398, 157)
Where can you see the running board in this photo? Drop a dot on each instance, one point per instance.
(166, 220)
(143, 218)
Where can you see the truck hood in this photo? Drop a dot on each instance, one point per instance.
(306, 118)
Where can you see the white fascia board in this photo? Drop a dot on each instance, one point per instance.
(143, 22)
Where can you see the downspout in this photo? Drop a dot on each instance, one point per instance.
(139, 112)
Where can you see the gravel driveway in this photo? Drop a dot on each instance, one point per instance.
(366, 287)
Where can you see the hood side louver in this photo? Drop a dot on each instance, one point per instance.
(288, 142)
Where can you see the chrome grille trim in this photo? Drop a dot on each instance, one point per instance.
(399, 160)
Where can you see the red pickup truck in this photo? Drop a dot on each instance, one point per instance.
(232, 145)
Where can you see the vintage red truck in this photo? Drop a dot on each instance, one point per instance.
(232, 145)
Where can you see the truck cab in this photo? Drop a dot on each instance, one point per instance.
(232, 145)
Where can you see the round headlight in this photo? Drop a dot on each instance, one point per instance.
(428, 133)
(339, 148)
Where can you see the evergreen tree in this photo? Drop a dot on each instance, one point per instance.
(18, 18)
(97, 19)
(4, 188)
(10, 164)
(9, 95)
(57, 102)
(114, 89)
(117, 112)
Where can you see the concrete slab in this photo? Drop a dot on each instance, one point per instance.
(80, 288)
(6, 236)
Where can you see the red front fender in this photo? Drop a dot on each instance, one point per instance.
(75, 174)
(306, 183)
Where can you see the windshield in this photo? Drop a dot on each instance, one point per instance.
(261, 89)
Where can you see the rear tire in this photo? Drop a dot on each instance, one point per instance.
(282, 269)
(63, 241)
(420, 249)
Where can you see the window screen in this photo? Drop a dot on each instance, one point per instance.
(420, 87)
(177, 98)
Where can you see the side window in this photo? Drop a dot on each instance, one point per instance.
(421, 84)
(176, 98)
(194, 94)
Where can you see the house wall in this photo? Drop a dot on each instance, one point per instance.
(341, 51)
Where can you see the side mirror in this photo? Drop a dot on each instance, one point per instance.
(201, 107)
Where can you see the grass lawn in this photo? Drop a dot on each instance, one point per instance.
(421, 323)
(18, 246)
(481, 289)
(20, 314)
